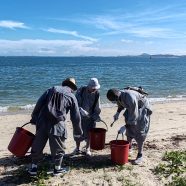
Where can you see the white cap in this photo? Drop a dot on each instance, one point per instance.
(94, 84)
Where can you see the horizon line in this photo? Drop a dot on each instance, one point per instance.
(128, 55)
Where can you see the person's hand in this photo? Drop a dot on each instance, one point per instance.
(122, 130)
(116, 116)
(83, 112)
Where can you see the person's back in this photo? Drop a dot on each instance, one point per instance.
(49, 116)
(59, 102)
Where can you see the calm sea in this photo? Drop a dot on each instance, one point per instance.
(24, 79)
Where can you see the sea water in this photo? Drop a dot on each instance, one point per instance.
(24, 79)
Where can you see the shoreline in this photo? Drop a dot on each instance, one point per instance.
(20, 110)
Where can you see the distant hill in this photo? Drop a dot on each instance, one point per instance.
(161, 55)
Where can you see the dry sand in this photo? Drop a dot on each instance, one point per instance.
(167, 133)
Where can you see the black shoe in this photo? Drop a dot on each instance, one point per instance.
(75, 152)
(33, 171)
(62, 170)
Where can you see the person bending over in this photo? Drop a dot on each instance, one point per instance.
(137, 116)
(49, 116)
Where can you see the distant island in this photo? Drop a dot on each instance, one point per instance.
(161, 55)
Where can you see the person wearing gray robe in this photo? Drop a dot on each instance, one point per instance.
(49, 116)
(137, 116)
(89, 105)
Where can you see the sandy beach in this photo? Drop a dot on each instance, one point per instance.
(167, 133)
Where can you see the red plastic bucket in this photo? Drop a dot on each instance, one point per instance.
(21, 142)
(119, 151)
(97, 138)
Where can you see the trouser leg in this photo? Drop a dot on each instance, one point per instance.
(87, 125)
(129, 139)
(140, 146)
(38, 145)
(140, 142)
(57, 147)
(130, 133)
(78, 144)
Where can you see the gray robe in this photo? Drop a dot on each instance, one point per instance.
(47, 128)
(42, 119)
(137, 113)
(86, 101)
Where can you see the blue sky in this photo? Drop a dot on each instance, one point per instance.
(92, 27)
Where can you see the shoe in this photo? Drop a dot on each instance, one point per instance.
(60, 171)
(75, 152)
(138, 160)
(33, 171)
(130, 151)
(87, 152)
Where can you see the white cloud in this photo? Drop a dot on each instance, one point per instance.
(107, 23)
(150, 32)
(119, 26)
(72, 33)
(12, 24)
(40, 47)
(166, 22)
(149, 42)
(45, 47)
(128, 41)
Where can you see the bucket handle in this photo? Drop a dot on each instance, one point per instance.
(25, 124)
(112, 123)
(118, 135)
(105, 124)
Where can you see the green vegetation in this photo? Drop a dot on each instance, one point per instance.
(174, 168)
(124, 167)
(22, 176)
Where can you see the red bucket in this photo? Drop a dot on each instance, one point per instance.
(21, 142)
(97, 138)
(119, 151)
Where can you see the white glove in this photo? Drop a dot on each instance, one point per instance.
(122, 130)
(116, 116)
(83, 112)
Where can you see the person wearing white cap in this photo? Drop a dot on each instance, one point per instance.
(89, 106)
(49, 116)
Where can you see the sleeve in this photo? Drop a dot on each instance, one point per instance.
(97, 110)
(147, 106)
(120, 108)
(76, 119)
(132, 108)
(40, 103)
(79, 96)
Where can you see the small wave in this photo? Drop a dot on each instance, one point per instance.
(167, 99)
(16, 108)
(104, 104)
(27, 107)
(4, 109)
